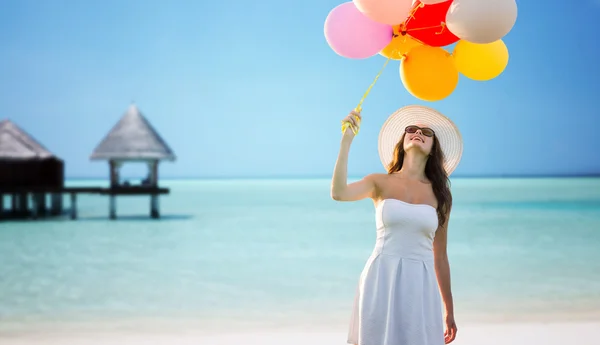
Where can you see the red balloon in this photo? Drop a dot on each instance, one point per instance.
(428, 24)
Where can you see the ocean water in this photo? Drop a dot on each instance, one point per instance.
(279, 253)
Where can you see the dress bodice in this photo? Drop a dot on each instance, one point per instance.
(405, 230)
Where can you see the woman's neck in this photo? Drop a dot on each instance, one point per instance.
(413, 166)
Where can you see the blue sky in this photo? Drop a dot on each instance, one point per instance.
(242, 88)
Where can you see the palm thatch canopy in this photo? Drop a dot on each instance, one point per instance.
(16, 144)
(133, 138)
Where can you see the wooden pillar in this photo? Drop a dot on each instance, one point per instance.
(153, 173)
(13, 203)
(22, 204)
(40, 203)
(153, 182)
(34, 205)
(114, 173)
(112, 206)
(73, 205)
(154, 212)
(56, 204)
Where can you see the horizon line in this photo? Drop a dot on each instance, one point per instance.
(287, 177)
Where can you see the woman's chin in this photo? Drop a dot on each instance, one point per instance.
(415, 147)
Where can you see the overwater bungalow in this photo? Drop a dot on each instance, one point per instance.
(29, 174)
(133, 139)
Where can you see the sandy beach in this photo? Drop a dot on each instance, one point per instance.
(580, 333)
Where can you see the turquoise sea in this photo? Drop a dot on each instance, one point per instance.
(280, 252)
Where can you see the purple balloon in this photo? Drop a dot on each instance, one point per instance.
(353, 35)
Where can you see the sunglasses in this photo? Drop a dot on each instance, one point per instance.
(428, 132)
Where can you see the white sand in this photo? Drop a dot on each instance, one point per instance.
(576, 333)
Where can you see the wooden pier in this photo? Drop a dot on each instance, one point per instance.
(32, 203)
(30, 174)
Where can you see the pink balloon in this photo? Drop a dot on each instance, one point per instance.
(352, 35)
(391, 12)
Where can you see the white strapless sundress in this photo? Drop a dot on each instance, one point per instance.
(398, 300)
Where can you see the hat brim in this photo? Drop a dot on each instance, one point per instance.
(446, 132)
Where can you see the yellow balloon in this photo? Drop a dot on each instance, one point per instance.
(399, 46)
(481, 61)
(429, 73)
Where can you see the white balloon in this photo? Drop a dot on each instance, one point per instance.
(432, 2)
(481, 21)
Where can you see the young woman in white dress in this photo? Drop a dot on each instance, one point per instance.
(404, 293)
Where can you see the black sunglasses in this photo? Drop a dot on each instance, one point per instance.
(428, 132)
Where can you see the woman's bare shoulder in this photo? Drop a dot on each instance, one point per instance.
(376, 177)
(378, 180)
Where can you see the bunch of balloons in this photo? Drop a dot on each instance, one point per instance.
(416, 32)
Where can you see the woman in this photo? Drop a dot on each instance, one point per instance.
(407, 277)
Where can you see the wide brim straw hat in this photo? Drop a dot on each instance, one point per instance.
(446, 132)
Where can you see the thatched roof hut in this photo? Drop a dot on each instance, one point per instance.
(24, 162)
(132, 139)
(16, 144)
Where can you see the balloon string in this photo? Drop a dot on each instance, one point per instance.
(411, 15)
(442, 25)
(358, 108)
(402, 27)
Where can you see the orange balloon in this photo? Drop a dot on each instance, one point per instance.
(400, 45)
(429, 73)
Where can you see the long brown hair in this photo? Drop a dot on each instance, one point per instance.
(435, 172)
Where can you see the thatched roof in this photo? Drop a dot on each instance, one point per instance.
(16, 144)
(133, 138)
